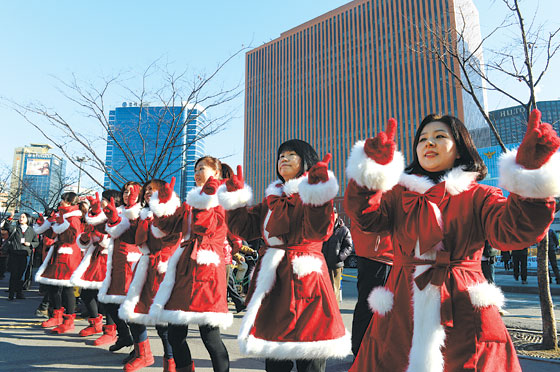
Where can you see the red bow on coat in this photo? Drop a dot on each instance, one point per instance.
(279, 222)
(421, 215)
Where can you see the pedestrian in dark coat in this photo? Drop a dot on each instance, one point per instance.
(23, 241)
(336, 250)
(552, 245)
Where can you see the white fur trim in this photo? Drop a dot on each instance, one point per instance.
(146, 214)
(59, 228)
(44, 264)
(156, 232)
(162, 267)
(265, 281)
(97, 219)
(65, 250)
(39, 229)
(412, 182)
(428, 336)
(133, 256)
(164, 209)
(133, 212)
(76, 278)
(380, 300)
(320, 193)
(530, 183)
(199, 200)
(105, 242)
(336, 348)
(234, 199)
(157, 311)
(118, 229)
(102, 294)
(458, 180)
(207, 257)
(39, 275)
(76, 213)
(305, 265)
(271, 241)
(485, 294)
(82, 246)
(275, 188)
(367, 173)
(292, 186)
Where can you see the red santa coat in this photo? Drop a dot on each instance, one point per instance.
(156, 247)
(48, 235)
(122, 255)
(292, 312)
(64, 256)
(194, 290)
(437, 311)
(93, 268)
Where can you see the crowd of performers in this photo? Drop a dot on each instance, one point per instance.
(151, 260)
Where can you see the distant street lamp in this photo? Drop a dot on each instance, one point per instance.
(80, 159)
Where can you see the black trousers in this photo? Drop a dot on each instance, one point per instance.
(303, 365)
(371, 274)
(212, 341)
(17, 267)
(123, 331)
(62, 296)
(520, 266)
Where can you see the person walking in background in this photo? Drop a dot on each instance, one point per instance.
(506, 259)
(23, 241)
(552, 245)
(488, 260)
(292, 312)
(336, 250)
(520, 264)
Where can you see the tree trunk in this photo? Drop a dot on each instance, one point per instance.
(550, 338)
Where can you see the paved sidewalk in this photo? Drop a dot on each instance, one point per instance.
(506, 281)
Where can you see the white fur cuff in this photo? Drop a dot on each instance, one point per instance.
(133, 212)
(118, 229)
(97, 219)
(39, 229)
(206, 257)
(156, 232)
(133, 256)
(320, 193)
(305, 265)
(231, 200)
(60, 228)
(367, 173)
(485, 294)
(164, 209)
(380, 300)
(65, 250)
(530, 183)
(199, 200)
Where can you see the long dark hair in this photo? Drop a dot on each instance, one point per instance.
(304, 150)
(469, 158)
(157, 185)
(70, 197)
(223, 169)
(115, 194)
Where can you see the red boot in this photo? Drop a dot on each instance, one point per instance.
(169, 365)
(189, 368)
(109, 335)
(95, 326)
(67, 325)
(55, 320)
(144, 357)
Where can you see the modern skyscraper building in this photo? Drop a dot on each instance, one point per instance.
(164, 142)
(338, 78)
(38, 178)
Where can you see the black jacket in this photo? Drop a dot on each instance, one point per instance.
(338, 247)
(18, 237)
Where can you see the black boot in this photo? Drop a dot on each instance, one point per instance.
(121, 342)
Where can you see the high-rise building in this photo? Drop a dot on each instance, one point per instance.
(338, 78)
(38, 178)
(164, 142)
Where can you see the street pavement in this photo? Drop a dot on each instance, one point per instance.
(25, 346)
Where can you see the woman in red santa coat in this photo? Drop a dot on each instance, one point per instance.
(156, 247)
(122, 255)
(89, 275)
(292, 312)
(194, 288)
(61, 261)
(437, 311)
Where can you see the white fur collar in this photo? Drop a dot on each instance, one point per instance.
(133, 212)
(289, 187)
(146, 214)
(456, 180)
(76, 213)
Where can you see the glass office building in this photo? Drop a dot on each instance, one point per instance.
(338, 78)
(164, 142)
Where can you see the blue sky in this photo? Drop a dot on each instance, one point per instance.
(46, 40)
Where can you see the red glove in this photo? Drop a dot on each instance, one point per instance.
(134, 191)
(210, 186)
(41, 219)
(236, 182)
(111, 212)
(319, 172)
(382, 147)
(166, 191)
(539, 144)
(86, 235)
(52, 217)
(95, 204)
